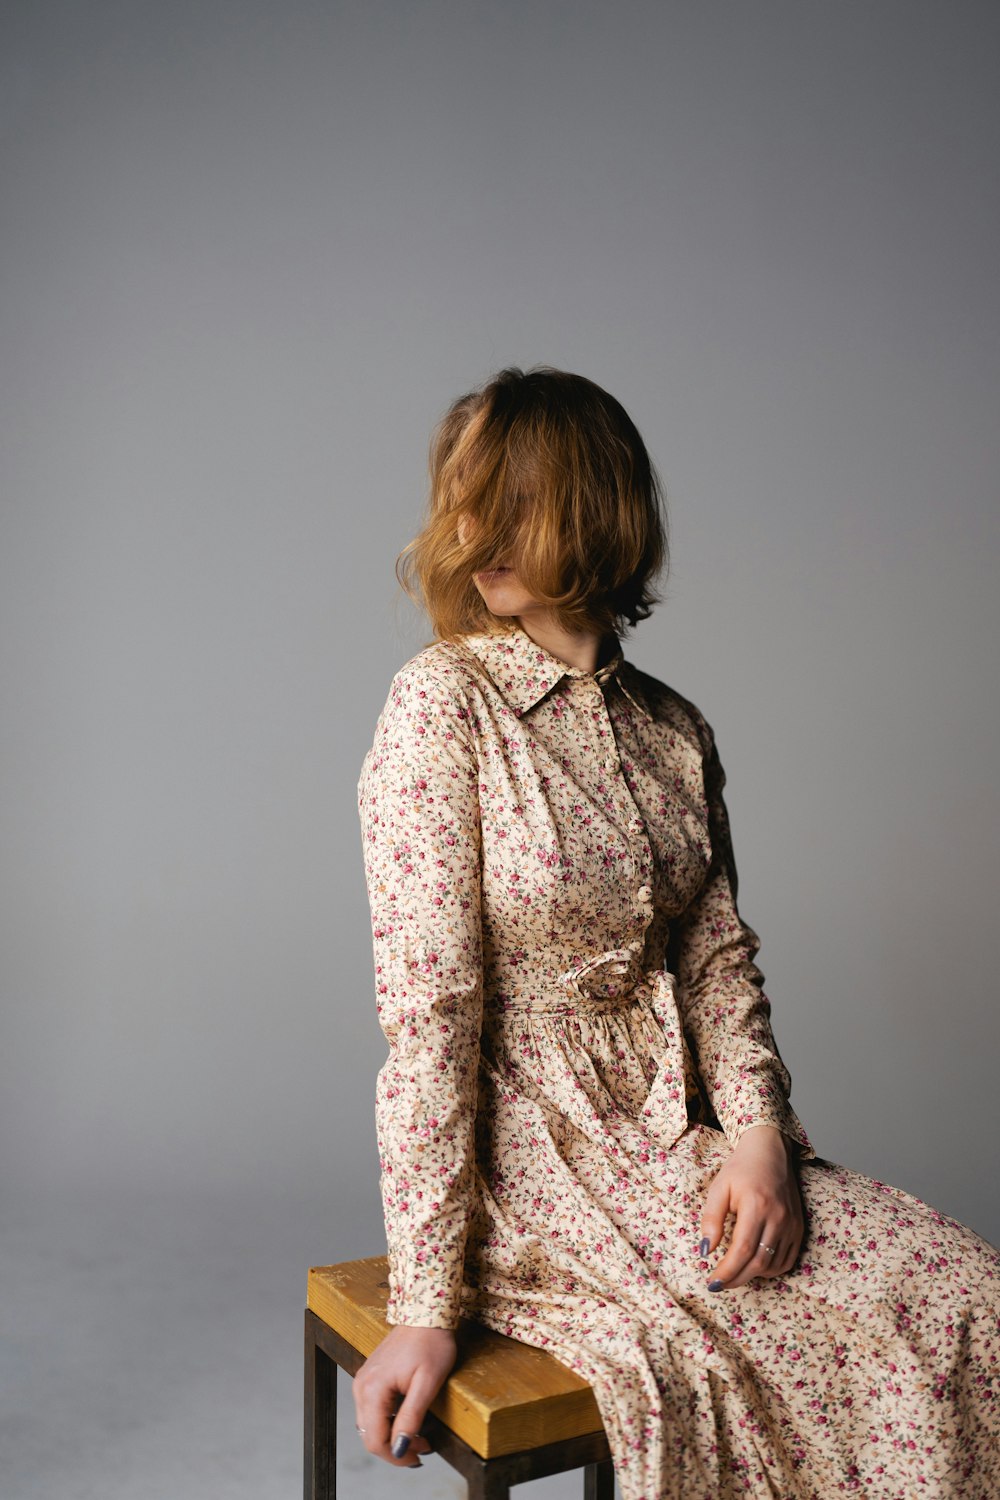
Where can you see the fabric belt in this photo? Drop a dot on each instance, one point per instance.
(576, 998)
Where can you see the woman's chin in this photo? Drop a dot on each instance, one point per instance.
(504, 595)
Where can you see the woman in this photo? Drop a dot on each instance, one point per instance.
(584, 1124)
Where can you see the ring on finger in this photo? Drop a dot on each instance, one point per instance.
(768, 1248)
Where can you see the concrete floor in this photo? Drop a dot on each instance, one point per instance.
(151, 1346)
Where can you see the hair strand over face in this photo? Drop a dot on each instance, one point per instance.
(555, 481)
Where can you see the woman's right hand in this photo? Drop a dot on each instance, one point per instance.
(412, 1363)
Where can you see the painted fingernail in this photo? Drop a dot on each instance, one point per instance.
(417, 1465)
(401, 1444)
(716, 1286)
(703, 1247)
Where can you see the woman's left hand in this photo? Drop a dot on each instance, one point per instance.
(759, 1185)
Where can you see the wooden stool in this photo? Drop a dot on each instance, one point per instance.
(507, 1413)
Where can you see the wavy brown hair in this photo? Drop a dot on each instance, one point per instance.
(552, 471)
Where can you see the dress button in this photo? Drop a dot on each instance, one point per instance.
(644, 893)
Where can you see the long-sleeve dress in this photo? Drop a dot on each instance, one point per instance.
(578, 1037)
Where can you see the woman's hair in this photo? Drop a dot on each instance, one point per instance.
(555, 480)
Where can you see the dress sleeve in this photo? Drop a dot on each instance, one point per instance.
(418, 799)
(725, 1010)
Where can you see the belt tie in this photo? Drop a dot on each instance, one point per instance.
(665, 1112)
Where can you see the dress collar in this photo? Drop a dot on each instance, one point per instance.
(524, 671)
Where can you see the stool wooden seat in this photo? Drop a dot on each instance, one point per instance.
(507, 1412)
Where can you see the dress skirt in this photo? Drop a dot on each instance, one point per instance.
(872, 1368)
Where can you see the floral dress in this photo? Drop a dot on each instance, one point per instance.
(578, 1037)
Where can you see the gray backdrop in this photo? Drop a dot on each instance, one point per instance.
(250, 253)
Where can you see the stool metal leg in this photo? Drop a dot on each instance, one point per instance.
(487, 1484)
(599, 1481)
(320, 1465)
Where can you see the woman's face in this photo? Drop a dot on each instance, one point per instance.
(500, 586)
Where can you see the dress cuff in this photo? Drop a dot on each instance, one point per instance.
(419, 1297)
(424, 1311)
(782, 1118)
